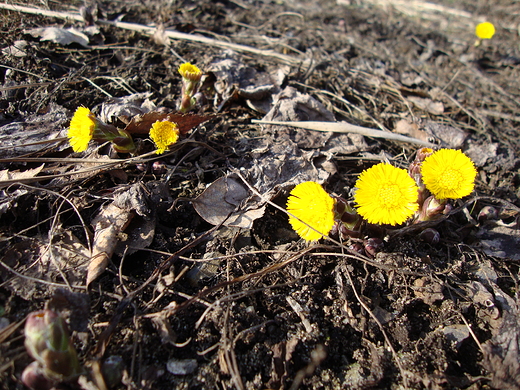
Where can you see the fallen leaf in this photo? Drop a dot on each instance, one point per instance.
(126, 107)
(108, 224)
(428, 105)
(502, 351)
(130, 212)
(17, 49)
(500, 241)
(26, 136)
(411, 129)
(448, 136)
(65, 256)
(62, 36)
(228, 202)
(232, 79)
(17, 175)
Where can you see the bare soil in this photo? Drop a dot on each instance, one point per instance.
(191, 306)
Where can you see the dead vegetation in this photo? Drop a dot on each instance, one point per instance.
(180, 270)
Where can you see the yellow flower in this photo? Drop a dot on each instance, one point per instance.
(164, 134)
(81, 129)
(448, 173)
(310, 203)
(485, 30)
(190, 72)
(386, 195)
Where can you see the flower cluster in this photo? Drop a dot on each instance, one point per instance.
(85, 126)
(384, 195)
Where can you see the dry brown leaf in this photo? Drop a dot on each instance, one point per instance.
(62, 36)
(108, 224)
(411, 129)
(9, 175)
(428, 105)
(126, 107)
(116, 217)
(232, 79)
(225, 202)
(448, 136)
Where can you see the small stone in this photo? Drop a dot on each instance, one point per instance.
(181, 366)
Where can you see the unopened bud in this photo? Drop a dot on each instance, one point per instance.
(432, 208)
(347, 219)
(373, 246)
(357, 247)
(34, 378)
(47, 340)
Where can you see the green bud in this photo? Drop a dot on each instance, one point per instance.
(47, 340)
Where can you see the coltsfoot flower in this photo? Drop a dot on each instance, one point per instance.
(84, 127)
(191, 76)
(190, 72)
(164, 134)
(485, 30)
(386, 195)
(310, 203)
(81, 129)
(448, 174)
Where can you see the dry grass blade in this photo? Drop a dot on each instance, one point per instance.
(342, 127)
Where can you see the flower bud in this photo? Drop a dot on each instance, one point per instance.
(347, 220)
(432, 208)
(123, 142)
(47, 340)
(373, 245)
(34, 378)
(357, 247)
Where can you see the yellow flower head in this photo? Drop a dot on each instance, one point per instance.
(310, 203)
(485, 30)
(164, 134)
(448, 174)
(386, 195)
(190, 72)
(81, 129)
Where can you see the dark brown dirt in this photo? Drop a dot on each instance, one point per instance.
(264, 310)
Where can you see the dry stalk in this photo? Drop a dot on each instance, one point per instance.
(343, 127)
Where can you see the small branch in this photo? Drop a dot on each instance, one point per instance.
(343, 127)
